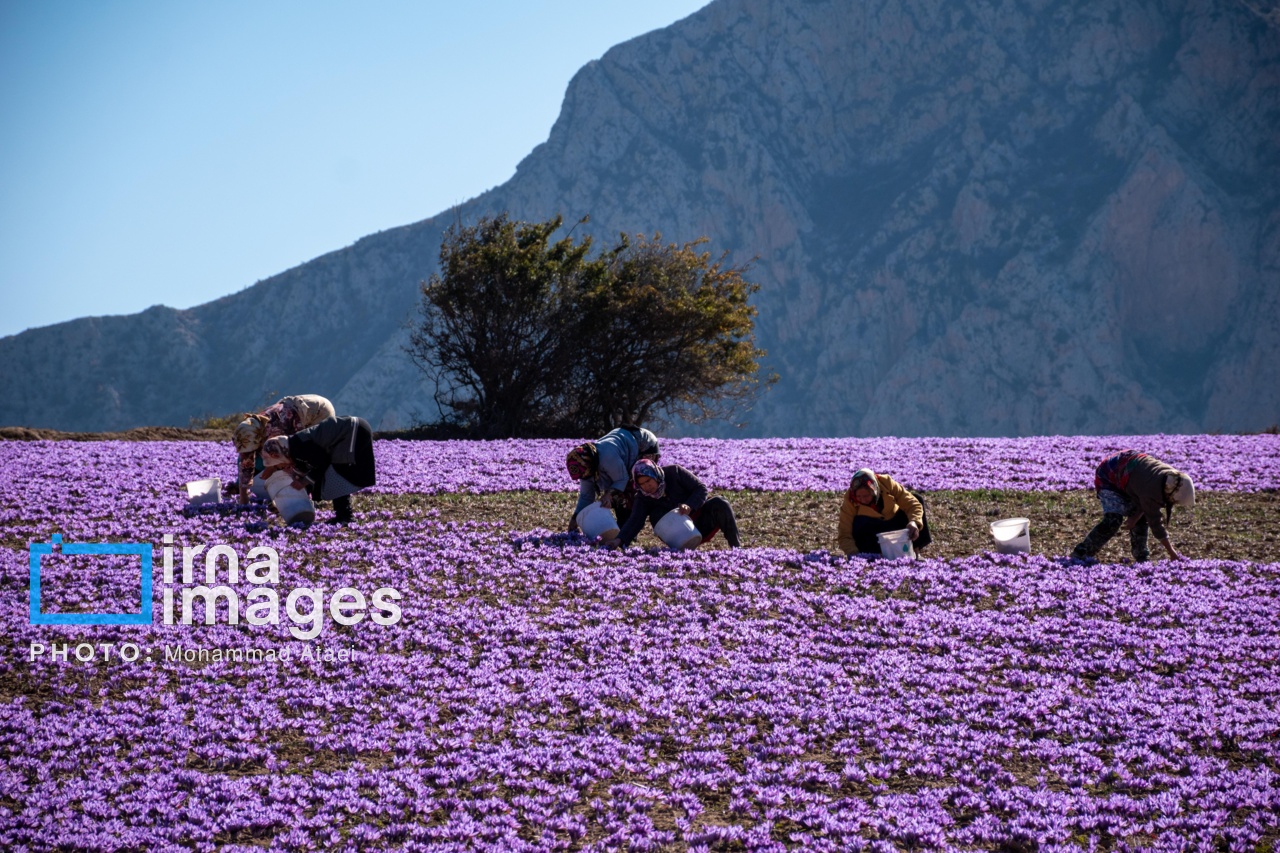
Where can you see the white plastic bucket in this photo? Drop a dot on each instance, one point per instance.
(596, 521)
(896, 543)
(678, 531)
(204, 491)
(1012, 535)
(292, 504)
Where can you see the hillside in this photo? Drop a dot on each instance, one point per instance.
(971, 218)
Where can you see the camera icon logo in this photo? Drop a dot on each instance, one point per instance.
(141, 549)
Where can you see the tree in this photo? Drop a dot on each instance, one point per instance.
(527, 337)
(673, 334)
(496, 324)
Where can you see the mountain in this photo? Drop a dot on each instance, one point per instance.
(970, 218)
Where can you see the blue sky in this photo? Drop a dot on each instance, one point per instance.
(174, 152)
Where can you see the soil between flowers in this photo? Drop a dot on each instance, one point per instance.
(1223, 526)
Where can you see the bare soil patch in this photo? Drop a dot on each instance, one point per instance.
(155, 433)
(1223, 526)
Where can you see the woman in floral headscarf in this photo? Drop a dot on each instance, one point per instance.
(877, 503)
(603, 469)
(285, 417)
(672, 488)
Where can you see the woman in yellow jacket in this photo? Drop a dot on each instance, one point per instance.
(877, 503)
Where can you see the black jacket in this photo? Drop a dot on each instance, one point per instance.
(682, 488)
(345, 444)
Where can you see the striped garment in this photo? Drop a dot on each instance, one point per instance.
(1114, 471)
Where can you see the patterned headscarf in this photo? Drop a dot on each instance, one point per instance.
(250, 434)
(582, 461)
(646, 468)
(864, 477)
(282, 417)
(275, 451)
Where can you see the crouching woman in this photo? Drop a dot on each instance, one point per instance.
(671, 488)
(334, 458)
(285, 417)
(602, 469)
(877, 503)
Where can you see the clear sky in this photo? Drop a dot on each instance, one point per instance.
(170, 153)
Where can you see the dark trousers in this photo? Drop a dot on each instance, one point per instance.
(712, 517)
(865, 529)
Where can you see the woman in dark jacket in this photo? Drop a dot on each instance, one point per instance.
(334, 458)
(671, 488)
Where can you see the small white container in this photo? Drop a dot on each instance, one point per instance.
(292, 504)
(597, 522)
(1012, 535)
(896, 543)
(204, 491)
(678, 531)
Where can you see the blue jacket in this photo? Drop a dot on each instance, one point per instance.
(618, 451)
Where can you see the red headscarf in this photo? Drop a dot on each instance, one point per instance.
(582, 461)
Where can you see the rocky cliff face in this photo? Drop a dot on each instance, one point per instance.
(971, 218)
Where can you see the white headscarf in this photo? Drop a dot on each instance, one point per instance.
(1179, 489)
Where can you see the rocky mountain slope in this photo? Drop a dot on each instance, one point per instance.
(972, 217)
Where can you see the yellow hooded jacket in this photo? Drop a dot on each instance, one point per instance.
(895, 497)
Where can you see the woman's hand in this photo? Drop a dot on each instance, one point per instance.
(683, 509)
(606, 499)
(614, 543)
(913, 531)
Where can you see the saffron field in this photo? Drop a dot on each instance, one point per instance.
(541, 694)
